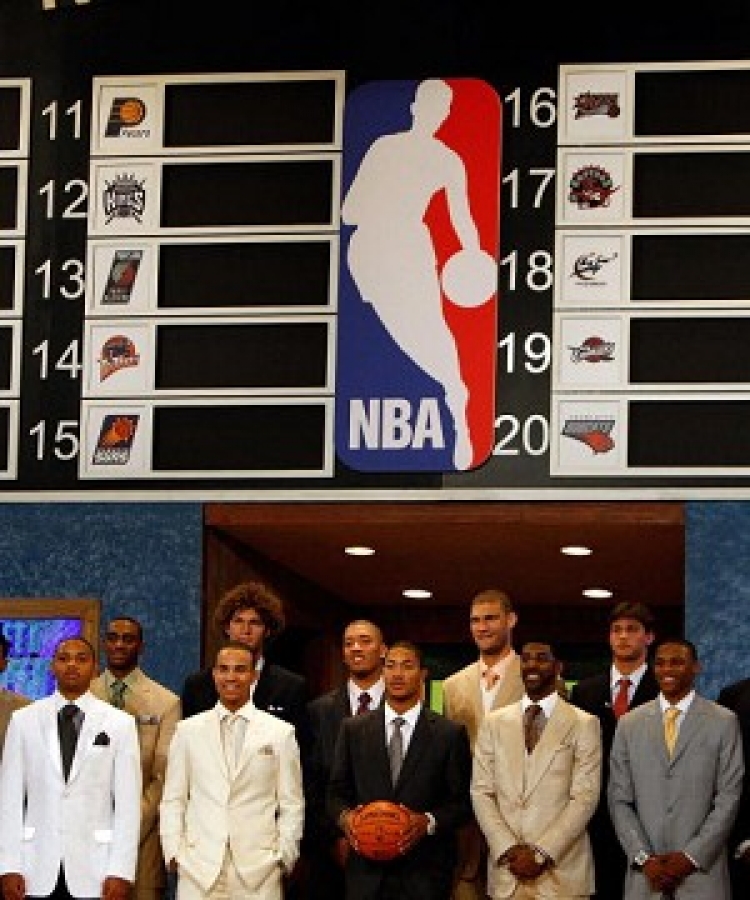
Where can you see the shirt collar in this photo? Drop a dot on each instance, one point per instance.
(499, 667)
(375, 691)
(683, 705)
(634, 678)
(245, 712)
(131, 679)
(411, 715)
(84, 702)
(547, 703)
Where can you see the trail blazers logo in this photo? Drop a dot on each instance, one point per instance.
(115, 441)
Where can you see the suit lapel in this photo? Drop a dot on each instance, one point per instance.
(555, 731)
(419, 740)
(93, 723)
(50, 734)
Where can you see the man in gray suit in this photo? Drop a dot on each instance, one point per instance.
(673, 811)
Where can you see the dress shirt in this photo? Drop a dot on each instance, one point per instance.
(547, 703)
(498, 670)
(407, 730)
(634, 678)
(375, 691)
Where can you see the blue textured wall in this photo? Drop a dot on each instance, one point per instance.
(142, 560)
(717, 577)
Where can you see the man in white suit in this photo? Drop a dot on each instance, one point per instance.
(673, 810)
(73, 836)
(232, 811)
(534, 794)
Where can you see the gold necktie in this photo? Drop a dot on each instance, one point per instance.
(670, 728)
(117, 690)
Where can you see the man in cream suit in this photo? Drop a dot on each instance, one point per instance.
(232, 812)
(73, 836)
(493, 681)
(156, 711)
(673, 810)
(534, 794)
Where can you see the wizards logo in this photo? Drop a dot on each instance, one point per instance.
(417, 323)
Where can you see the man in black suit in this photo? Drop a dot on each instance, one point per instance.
(363, 653)
(736, 697)
(253, 614)
(432, 784)
(628, 683)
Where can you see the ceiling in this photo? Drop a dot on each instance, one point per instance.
(456, 549)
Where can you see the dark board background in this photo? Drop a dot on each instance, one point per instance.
(517, 51)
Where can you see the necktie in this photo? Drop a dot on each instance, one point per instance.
(67, 727)
(622, 698)
(396, 748)
(117, 692)
(532, 726)
(490, 679)
(363, 703)
(670, 728)
(234, 739)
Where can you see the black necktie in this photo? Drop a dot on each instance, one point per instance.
(363, 703)
(67, 727)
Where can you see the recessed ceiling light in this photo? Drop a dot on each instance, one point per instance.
(359, 551)
(597, 593)
(574, 550)
(417, 593)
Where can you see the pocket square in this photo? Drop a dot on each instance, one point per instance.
(102, 739)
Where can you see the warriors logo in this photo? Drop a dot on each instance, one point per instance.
(118, 352)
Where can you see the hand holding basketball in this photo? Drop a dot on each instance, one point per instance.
(379, 829)
(469, 278)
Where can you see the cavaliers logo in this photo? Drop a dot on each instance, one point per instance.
(591, 187)
(593, 350)
(595, 433)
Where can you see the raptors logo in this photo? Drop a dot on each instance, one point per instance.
(591, 187)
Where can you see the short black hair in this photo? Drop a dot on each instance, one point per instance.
(630, 609)
(681, 642)
(411, 647)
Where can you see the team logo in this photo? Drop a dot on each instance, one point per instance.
(117, 353)
(121, 278)
(124, 198)
(589, 104)
(595, 433)
(115, 440)
(417, 312)
(591, 187)
(593, 350)
(588, 265)
(126, 114)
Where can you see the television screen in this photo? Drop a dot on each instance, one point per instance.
(32, 643)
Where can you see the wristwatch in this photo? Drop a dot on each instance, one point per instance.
(640, 859)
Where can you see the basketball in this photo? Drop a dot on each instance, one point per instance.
(469, 278)
(378, 828)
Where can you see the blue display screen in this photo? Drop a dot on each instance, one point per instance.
(32, 643)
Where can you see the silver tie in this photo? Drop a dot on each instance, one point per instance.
(396, 748)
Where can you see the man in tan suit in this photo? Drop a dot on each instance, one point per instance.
(9, 700)
(535, 785)
(493, 681)
(157, 711)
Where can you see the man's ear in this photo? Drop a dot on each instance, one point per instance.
(512, 620)
(650, 637)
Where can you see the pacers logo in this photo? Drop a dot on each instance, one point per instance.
(125, 115)
(417, 321)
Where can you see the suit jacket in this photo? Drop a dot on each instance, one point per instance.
(687, 803)
(462, 695)
(736, 697)
(545, 799)
(326, 713)
(462, 702)
(594, 694)
(434, 778)
(10, 701)
(156, 710)
(89, 824)
(257, 809)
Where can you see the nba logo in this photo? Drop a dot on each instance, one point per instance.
(417, 323)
